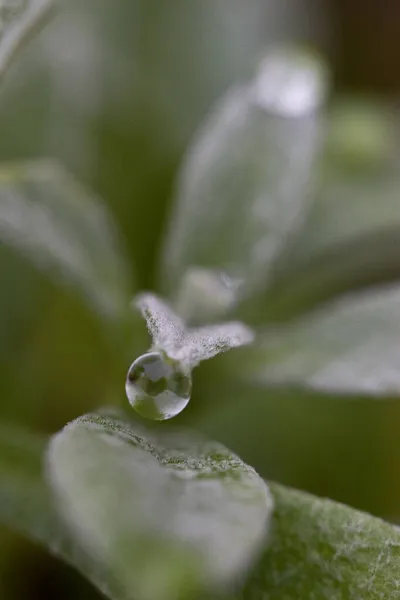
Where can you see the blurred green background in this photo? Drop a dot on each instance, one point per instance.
(115, 91)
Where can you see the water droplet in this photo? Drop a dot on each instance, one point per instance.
(157, 387)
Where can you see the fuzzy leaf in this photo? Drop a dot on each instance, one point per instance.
(168, 513)
(188, 345)
(351, 346)
(324, 550)
(352, 233)
(247, 176)
(19, 19)
(316, 547)
(47, 216)
(206, 342)
(167, 330)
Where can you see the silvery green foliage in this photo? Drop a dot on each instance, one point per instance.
(64, 230)
(18, 20)
(324, 550)
(205, 295)
(188, 345)
(166, 512)
(346, 210)
(314, 547)
(349, 239)
(163, 513)
(246, 181)
(349, 346)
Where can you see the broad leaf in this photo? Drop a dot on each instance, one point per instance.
(324, 550)
(244, 187)
(316, 547)
(64, 230)
(352, 345)
(168, 513)
(19, 19)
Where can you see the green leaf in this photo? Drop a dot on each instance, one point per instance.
(24, 503)
(316, 548)
(247, 177)
(349, 243)
(65, 231)
(27, 507)
(188, 345)
(168, 513)
(350, 346)
(324, 550)
(18, 21)
(352, 233)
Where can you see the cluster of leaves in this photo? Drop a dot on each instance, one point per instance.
(158, 512)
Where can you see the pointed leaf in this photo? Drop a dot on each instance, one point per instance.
(351, 346)
(18, 21)
(64, 230)
(352, 233)
(206, 342)
(167, 330)
(167, 512)
(246, 179)
(188, 345)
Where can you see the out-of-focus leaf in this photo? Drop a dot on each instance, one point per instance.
(19, 19)
(145, 96)
(360, 134)
(327, 551)
(321, 442)
(168, 513)
(245, 185)
(26, 505)
(350, 208)
(350, 242)
(352, 233)
(204, 295)
(64, 230)
(24, 502)
(350, 346)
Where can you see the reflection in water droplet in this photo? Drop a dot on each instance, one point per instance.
(290, 83)
(157, 387)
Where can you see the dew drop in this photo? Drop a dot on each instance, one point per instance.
(157, 387)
